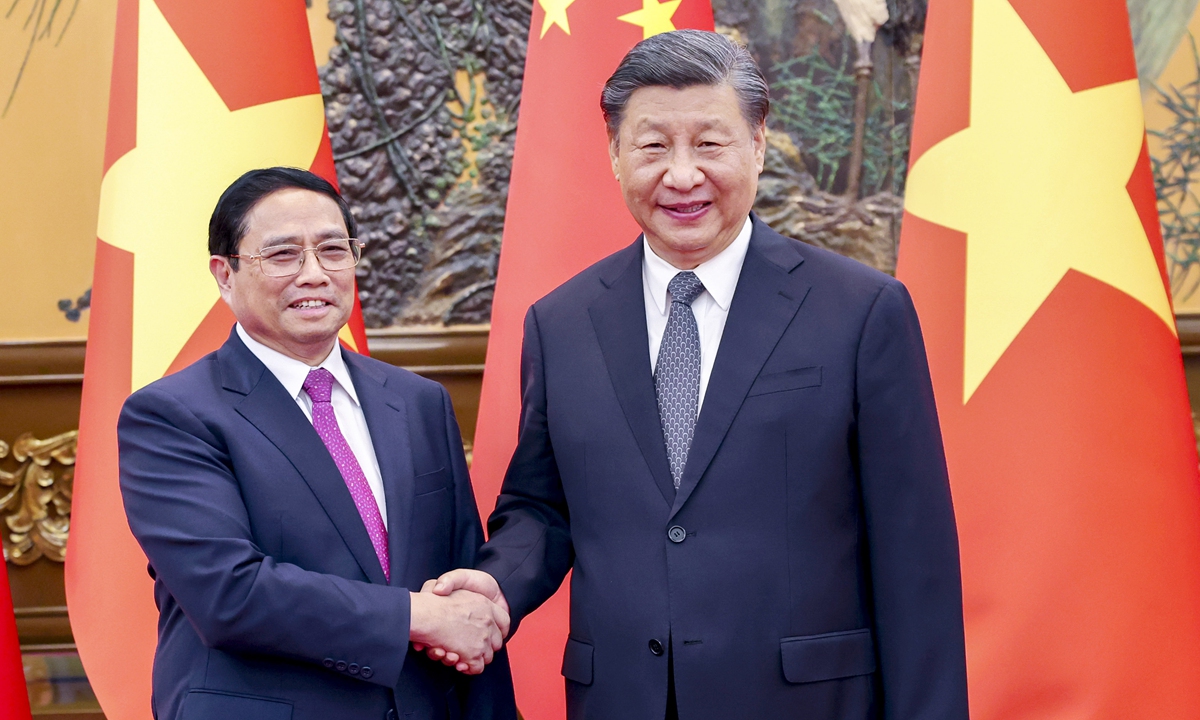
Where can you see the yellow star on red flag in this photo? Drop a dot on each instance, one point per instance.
(654, 17)
(556, 14)
(155, 200)
(1038, 184)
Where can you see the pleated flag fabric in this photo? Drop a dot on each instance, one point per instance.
(1032, 249)
(201, 93)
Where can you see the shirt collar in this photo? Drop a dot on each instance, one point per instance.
(719, 274)
(292, 373)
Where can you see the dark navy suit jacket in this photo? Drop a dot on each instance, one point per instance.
(807, 567)
(272, 601)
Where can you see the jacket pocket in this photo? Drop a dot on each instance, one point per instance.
(426, 483)
(208, 704)
(786, 380)
(577, 662)
(814, 658)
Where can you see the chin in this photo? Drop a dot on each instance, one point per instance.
(313, 335)
(692, 244)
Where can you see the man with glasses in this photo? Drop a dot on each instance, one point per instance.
(290, 495)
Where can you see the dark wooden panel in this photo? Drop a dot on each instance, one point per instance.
(452, 356)
(39, 395)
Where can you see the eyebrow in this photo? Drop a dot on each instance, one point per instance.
(658, 127)
(330, 234)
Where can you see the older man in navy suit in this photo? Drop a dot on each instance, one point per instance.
(289, 494)
(731, 437)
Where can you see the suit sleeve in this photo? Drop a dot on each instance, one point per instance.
(185, 508)
(529, 548)
(912, 539)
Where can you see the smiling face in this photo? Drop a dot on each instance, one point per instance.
(688, 164)
(299, 316)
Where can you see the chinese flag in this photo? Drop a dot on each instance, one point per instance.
(201, 92)
(564, 213)
(1032, 249)
(14, 700)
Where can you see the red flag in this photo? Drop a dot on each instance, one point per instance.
(1032, 249)
(201, 92)
(14, 698)
(564, 213)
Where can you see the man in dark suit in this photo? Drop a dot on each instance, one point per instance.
(731, 438)
(287, 493)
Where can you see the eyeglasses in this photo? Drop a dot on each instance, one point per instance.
(286, 260)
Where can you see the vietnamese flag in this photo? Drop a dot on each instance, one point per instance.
(14, 698)
(201, 93)
(564, 213)
(1032, 249)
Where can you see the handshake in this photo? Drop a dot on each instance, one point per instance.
(459, 619)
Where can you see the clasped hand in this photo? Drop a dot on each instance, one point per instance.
(460, 620)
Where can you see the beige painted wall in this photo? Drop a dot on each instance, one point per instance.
(51, 159)
(321, 29)
(1180, 71)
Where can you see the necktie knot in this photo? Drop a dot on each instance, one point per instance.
(319, 385)
(685, 287)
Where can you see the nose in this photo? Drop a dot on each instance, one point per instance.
(683, 171)
(311, 272)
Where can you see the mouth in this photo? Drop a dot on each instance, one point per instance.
(310, 304)
(687, 211)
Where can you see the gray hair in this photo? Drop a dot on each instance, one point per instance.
(682, 59)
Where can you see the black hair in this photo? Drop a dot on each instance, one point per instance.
(682, 59)
(227, 226)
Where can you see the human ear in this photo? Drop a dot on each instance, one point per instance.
(759, 140)
(222, 272)
(614, 151)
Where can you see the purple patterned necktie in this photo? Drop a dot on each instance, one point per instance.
(319, 386)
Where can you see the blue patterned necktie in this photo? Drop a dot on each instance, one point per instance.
(677, 373)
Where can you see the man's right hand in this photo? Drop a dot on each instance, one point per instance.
(463, 623)
(463, 580)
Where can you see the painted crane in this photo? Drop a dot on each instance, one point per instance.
(906, 27)
(863, 18)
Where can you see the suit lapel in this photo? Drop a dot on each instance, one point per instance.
(619, 318)
(268, 407)
(387, 419)
(764, 303)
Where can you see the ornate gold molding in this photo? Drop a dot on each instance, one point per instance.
(36, 499)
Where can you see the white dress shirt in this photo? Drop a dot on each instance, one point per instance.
(719, 276)
(291, 373)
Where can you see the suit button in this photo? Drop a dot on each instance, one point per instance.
(366, 672)
(328, 662)
(352, 668)
(340, 666)
(677, 534)
(656, 647)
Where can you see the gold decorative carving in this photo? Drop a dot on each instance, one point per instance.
(35, 499)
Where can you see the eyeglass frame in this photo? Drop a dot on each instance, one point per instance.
(353, 242)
